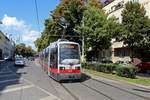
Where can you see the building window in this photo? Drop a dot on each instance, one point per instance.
(122, 52)
(117, 20)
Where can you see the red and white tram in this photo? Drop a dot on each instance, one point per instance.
(62, 60)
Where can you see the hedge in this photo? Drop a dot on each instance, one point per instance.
(124, 71)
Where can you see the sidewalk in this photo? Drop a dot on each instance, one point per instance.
(113, 80)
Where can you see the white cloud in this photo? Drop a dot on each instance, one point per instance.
(31, 35)
(13, 25)
(11, 22)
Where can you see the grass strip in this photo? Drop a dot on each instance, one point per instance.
(138, 80)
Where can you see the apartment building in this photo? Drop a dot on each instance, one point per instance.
(118, 51)
(7, 46)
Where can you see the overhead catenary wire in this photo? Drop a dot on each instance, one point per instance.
(37, 15)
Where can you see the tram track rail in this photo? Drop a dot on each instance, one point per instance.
(70, 92)
(98, 91)
(144, 97)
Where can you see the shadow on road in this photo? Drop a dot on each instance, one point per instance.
(9, 76)
(84, 78)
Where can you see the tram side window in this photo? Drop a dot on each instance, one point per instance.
(46, 58)
(53, 58)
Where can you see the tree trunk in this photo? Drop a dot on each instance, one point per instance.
(132, 51)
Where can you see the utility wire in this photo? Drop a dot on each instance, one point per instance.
(37, 15)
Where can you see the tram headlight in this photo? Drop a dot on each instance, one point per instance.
(62, 68)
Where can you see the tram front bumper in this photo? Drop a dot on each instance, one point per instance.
(67, 76)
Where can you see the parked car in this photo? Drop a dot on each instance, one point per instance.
(144, 67)
(8, 58)
(19, 61)
(124, 63)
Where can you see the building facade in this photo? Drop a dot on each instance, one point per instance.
(7, 46)
(115, 7)
(118, 51)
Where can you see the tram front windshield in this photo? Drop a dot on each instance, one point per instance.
(69, 54)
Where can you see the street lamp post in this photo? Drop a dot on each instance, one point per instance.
(64, 29)
(83, 40)
(83, 55)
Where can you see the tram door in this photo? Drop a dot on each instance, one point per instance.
(53, 60)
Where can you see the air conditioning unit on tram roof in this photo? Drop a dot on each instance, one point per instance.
(61, 40)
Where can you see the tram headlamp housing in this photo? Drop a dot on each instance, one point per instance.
(62, 68)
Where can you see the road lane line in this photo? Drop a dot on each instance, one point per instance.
(9, 80)
(1, 76)
(56, 98)
(16, 89)
(51, 95)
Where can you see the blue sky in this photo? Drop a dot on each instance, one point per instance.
(19, 18)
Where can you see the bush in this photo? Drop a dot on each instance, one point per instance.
(106, 68)
(126, 71)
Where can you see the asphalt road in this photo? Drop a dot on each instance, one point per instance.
(32, 83)
(27, 82)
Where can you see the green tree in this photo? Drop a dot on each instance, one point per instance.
(50, 33)
(98, 29)
(136, 26)
(95, 3)
(69, 13)
(21, 49)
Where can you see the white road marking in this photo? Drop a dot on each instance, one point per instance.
(9, 80)
(49, 98)
(50, 95)
(7, 75)
(16, 89)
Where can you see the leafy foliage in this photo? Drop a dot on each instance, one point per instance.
(123, 71)
(21, 49)
(95, 3)
(136, 26)
(98, 29)
(127, 71)
(69, 13)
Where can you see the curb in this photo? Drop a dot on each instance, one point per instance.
(92, 75)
